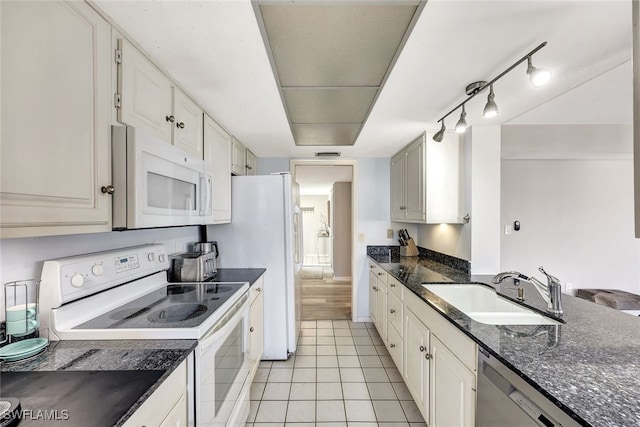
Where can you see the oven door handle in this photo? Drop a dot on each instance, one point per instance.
(224, 326)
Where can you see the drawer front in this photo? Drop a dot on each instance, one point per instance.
(394, 312)
(394, 345)
(256, 289)
(380, 273)
(396, 287)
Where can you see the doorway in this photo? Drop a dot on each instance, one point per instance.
(326, 203)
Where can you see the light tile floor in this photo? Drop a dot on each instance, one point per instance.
(341, 375)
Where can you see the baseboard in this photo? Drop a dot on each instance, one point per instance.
(341, 279)
(364, 319)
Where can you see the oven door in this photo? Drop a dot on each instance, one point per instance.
(222, 368)
(165, 186)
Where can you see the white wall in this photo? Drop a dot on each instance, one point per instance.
(268, 165)
(311, 226)
(571, 188)
(23, 258)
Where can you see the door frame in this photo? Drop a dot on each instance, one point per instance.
(354, 217)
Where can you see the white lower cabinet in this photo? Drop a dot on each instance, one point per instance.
(452, 390)
(256, 326)
(416, 363)
(167, 406)
(438, 362)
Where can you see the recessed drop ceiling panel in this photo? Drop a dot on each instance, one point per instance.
(324, 135)
(328, 105)
(334, 45)
(331, 59)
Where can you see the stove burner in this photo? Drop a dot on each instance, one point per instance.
(218, 289)
(177, 313)
(10, 409)
(128, 313)
(179, 289)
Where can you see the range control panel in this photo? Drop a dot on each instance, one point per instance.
(67, 279)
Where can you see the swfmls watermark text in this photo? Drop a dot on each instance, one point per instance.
(41, 414)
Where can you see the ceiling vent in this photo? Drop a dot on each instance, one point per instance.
(331, 60)
(328, 154)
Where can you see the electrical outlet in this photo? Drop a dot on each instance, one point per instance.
(389, 233)
(361, 237)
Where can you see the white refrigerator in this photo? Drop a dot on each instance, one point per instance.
(266, 232)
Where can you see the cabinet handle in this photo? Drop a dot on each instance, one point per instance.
(372, 266)
(180, 125)
(170, 119)
(393, 285)
(375, 289)
(392, 311)
(427, 356)
(403, 208)
(380, 274)
(109, 189)
(422, 349)
(392, 345)
(258, 289)
(251, 329)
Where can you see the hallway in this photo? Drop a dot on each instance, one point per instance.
(322, 297)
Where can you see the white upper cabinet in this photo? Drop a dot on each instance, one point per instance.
(426, 181)
(238, 162)
(187, 129)
(217, 156)
(149, 100)
(145, 93)
(251, 163)
(56, 115)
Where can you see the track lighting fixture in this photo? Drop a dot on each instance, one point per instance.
(440, 134)
(491, 109)
(538, 77)
(461, 126)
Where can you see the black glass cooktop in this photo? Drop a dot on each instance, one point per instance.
(174, 306)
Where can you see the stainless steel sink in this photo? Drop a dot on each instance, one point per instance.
(484, 305)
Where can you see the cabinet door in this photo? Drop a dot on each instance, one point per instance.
(178, 415)
(238, 158)
(145, 93)
(452, 389)
(445, 189)
(397, 187)
(381, 311)
(56, 103)
(416, 361)
(373, 295)
(415, 181)
(217, 156)
(187, 129)
(256, 331)
(251, 163)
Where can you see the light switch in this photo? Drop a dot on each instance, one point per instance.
(507, 229)
(389, 233)
(361, 237)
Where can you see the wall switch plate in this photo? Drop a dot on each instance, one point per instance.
(389, 233)
(361, 237)
(507, 229)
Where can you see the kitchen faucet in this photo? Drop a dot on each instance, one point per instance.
(551, 293)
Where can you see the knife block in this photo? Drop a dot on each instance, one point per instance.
(410, 249)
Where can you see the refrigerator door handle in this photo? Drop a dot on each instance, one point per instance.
(296, 237)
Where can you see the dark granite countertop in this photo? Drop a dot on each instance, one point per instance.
(589, 366)
(239, 275)
(114, 375)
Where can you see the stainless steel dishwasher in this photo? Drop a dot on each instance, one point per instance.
(506, 400)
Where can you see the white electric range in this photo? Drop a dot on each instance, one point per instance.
(124, 294)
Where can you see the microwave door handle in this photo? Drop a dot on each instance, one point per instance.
(206, 186)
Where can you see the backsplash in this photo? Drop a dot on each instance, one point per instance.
(383, 253)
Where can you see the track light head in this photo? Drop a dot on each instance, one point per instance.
(538, 76)
(491, 109)
(440, 134)
(461, 126)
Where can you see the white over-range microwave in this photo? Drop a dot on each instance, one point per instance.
(156, 184)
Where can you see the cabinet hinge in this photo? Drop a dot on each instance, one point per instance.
(118, 56)
(117, 100)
